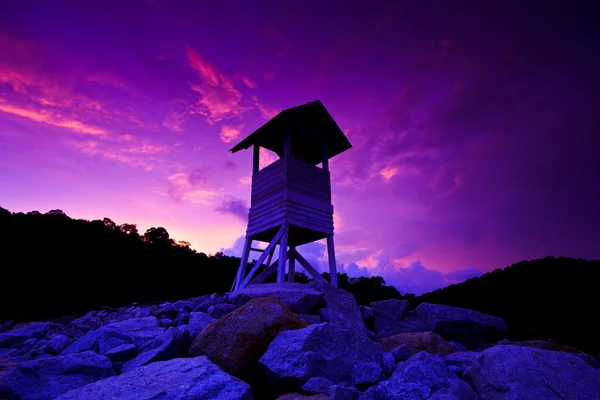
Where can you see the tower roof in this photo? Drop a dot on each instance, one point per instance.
(309, 124)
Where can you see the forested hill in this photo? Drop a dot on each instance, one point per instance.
(52, 265)
(554, 299)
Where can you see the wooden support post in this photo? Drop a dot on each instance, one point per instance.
(291, 263)
(282, 252)
(309, 267)
(262, 258)
(256, 160)
(267, 272)
(270, 256)
(331, 257)
(243, 263)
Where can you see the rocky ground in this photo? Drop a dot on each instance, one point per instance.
(292, 341)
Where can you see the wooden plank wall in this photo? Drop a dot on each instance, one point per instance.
(291, 190)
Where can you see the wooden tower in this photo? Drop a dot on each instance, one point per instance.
(291, 198)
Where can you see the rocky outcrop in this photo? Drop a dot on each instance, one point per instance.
(47, 378)
(323, 347)
(180, 378)
(520, 372)
(237, 341)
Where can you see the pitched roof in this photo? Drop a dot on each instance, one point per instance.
(309, 124)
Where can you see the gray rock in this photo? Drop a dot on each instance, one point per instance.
(460, 359)
(204, 306)
(122, 353)
(141, 330)
(183, 318)
(341, 306)
(366, 311)
(173, 343)
(298, 297)
(388, 363)
(36, 330)
(519, 372)
(181, 378)
(387, 312)
(58, 342)
(458, 390)
(165, 322)
(366, 374)
(395, 389)
(320, 350)
(238, 299)
(197, 322)
(47, 378)
(110, 339)
(469, 327)
(169, 312)
(437, 312)
(310, 319)
(318, 385)
(402, 353)
(220, 310)
(425, 368)
(339, 392)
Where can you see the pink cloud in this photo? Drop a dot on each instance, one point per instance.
(219, 100)
(127, 151)
(50, 118)
(230, 133)
(250, 83)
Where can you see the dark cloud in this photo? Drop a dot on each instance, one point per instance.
(235, 207)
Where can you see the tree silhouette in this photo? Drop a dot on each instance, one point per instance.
(158, 236)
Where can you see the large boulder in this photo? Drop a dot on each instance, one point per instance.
(173, 343)
(141, 330)
(520, 372)
(320, 350)
(236, 341)
(180, 378)
(387, 312)
(47, 378)
(339, 307)
(469, 327)
(460, 360)
(296, 296)
(419, 341)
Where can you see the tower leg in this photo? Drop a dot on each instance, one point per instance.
(292, 263)
(332, 266)
(243, 263)
(282, 252)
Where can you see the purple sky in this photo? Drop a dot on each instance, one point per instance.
(475, 125)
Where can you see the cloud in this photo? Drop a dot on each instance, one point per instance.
(193, 187)
(127, 151)
(250, 83)
(418, 279)
(174, 121)
(235, 207)
(219, 100)
(246, 180)
(50, 118)
(230, 133)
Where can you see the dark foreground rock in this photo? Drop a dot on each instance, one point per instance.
(237, 341)
(419, 341)
(519, 372)
(296, 296)
(180, 378)
(48, 378)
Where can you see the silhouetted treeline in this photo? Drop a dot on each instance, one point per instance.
(552, 299)
(52, 265)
